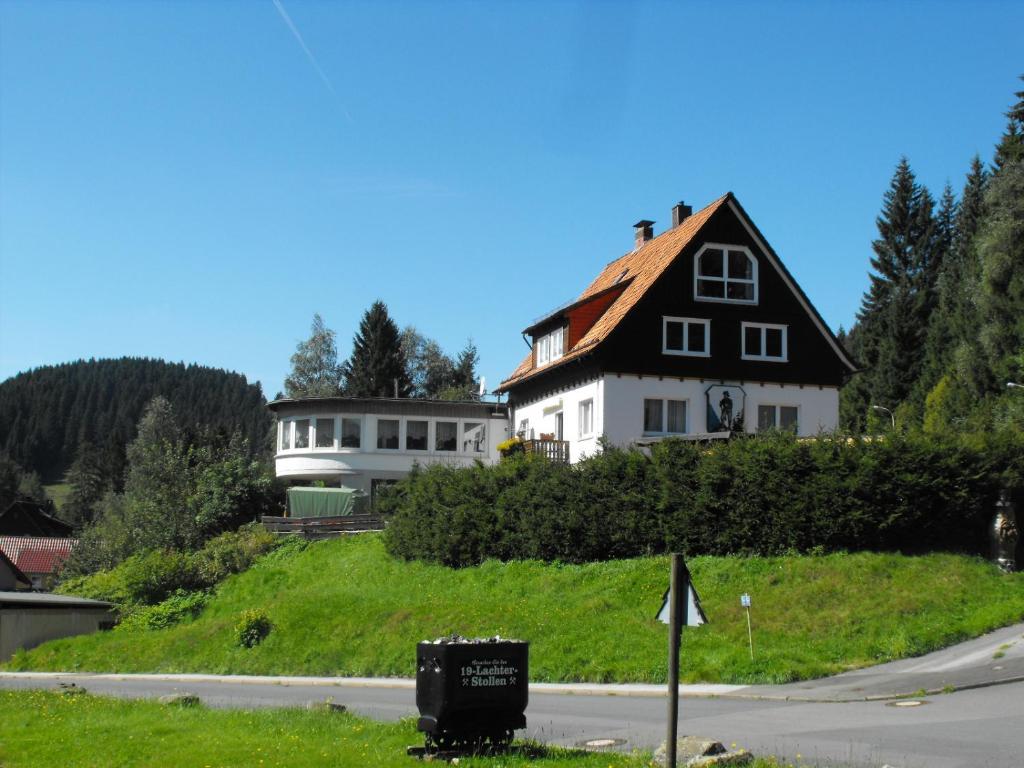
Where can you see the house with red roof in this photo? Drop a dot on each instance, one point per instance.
(39, 558)
(697, 332)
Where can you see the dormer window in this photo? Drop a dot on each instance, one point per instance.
(726, 273)
(550, 346)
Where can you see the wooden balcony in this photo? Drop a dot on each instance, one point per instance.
(552, 450)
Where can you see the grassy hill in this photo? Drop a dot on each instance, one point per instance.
(344, 607)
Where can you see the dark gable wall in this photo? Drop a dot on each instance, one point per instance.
(635, 345)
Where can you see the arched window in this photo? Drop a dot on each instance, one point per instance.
(725, 273)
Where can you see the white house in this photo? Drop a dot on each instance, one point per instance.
(700, 330)
(363, 442)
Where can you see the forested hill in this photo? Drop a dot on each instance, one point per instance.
(46, 413)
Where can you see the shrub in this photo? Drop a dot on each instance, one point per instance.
(253, 627)
(152, 577)
(178, 607)
(766, 495)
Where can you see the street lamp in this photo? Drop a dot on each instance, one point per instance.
(893, 418)
(1014, 385)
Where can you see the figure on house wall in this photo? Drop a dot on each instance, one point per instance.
(725, 406)
(725, 410)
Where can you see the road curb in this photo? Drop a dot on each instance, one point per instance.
(639, 690)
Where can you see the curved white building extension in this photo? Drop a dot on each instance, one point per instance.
(362, 442)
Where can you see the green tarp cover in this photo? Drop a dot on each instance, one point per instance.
(325, 502)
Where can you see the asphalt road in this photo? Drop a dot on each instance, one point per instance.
(822, 722)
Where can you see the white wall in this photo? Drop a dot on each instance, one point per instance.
(624, 396)
(619, 404)
(541, 415)
(357, 467)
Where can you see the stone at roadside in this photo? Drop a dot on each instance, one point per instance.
(180, 699)
(687, 748)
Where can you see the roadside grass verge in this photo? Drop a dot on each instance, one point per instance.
(343, 607)
(45, 729)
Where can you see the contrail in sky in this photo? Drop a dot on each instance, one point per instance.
(309, 53)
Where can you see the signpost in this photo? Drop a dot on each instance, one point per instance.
(745, 602)
(681, 608)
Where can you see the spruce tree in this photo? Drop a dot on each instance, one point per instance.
(377, 366)
(888, 338)
(89, 484)
(1001, 249)
(1011, 147)
(939, 337)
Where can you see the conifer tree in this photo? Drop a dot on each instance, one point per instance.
(89, 484)
(1001, 249)
(315, 369)
(890, 331)
(1011, 147)
(377, 366)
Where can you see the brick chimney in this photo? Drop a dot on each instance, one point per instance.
(680, 212)
(643, 231)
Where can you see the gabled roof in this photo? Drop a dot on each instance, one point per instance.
(30, 518)
(18, 575)
(35, 554)
(640, 268)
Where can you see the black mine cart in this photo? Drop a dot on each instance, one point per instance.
(471, 694)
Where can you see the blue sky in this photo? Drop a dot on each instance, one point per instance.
(193, 180)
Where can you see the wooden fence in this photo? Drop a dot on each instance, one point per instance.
(320, 527)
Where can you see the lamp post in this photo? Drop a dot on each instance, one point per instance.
(1014, 385)
(891, 417)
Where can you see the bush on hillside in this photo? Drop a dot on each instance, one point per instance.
(152, 577)
(252, 628)
(766, 495)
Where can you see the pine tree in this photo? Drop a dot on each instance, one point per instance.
(1001, 249)
(1011, 147)
(888, 337)
(89, 484)
(377, 366)
(465, 372)
(939, 337)
(315, 369)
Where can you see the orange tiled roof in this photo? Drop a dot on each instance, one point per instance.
(641, 267)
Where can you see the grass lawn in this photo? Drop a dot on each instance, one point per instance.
(47, 729)
(344, 607)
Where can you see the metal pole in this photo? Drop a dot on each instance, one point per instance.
(750, 635)
(679, 586)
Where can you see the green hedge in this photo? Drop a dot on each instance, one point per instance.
(765, 495)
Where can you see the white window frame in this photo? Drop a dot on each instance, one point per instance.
(310, 437)
(725, 279)
(687, 322)
(664, 417)
(586, 406)
(405, 435)
(550, 346)
(335, 442)
(778, 415)
(764, 328)
(376, 435)
(286, 429)
(341, 433)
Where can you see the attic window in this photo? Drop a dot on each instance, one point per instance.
(550, 346)
(726, 273)
(621, 277)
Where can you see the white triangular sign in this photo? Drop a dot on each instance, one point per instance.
(694, 613)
